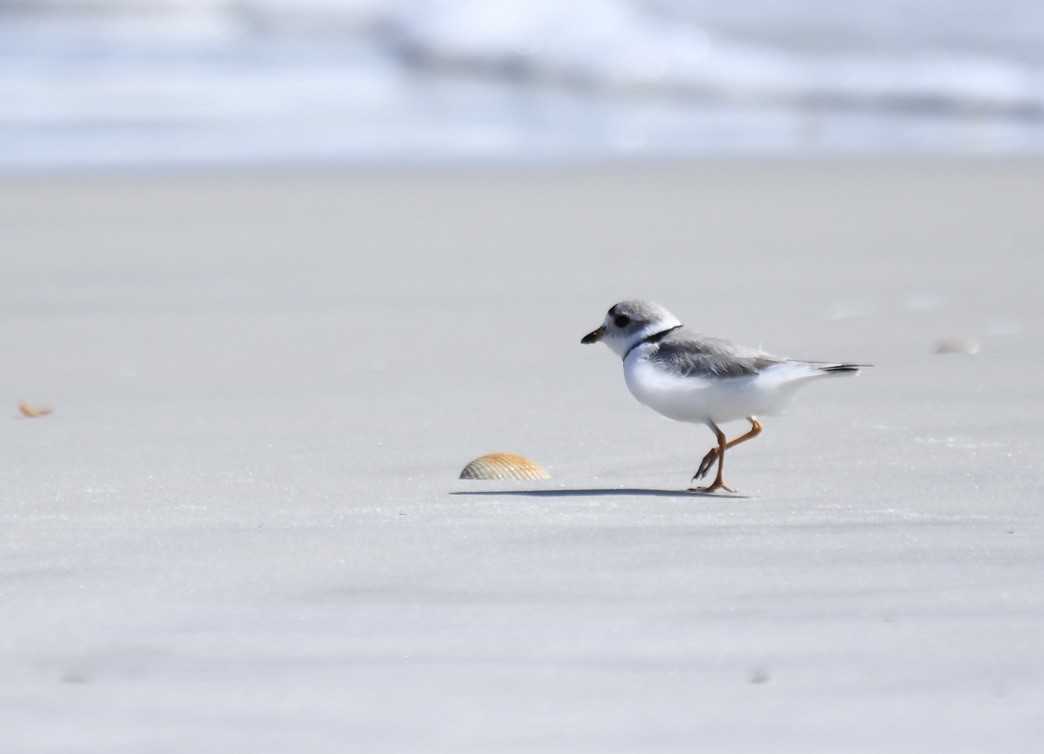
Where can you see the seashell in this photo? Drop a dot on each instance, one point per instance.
(503, 466)
(970, 347)
(33, 413)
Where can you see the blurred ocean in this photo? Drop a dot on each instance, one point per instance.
(166, 83)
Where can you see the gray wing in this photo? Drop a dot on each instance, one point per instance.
(688, 354)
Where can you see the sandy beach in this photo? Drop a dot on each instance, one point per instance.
(241, 528)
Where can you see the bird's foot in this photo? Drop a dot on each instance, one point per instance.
(706, 463)
(718, 485)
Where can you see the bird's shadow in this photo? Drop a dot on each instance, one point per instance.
(601, 492)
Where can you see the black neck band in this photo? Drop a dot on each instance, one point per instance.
(654, 338)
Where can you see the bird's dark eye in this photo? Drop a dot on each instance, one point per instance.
(622, 320)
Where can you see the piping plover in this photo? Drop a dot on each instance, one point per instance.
(690, 377)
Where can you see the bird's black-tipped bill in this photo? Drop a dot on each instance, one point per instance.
(593, 337)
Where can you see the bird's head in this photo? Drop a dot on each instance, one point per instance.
(629, 322)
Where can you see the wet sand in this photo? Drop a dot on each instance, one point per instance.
(242, 525)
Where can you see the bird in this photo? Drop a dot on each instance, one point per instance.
(690, 377)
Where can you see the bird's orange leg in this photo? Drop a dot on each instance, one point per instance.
(712, 454)
(723, 443)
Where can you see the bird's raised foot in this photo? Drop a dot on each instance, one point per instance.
(711, 488)
(706, 463)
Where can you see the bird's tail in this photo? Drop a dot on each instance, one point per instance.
(842, 368)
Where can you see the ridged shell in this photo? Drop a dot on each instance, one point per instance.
(969, 347)
(503, 466)
(33, 413)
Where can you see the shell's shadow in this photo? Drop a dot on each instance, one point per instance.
(600, 492)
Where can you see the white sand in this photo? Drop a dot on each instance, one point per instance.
(241, 529)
